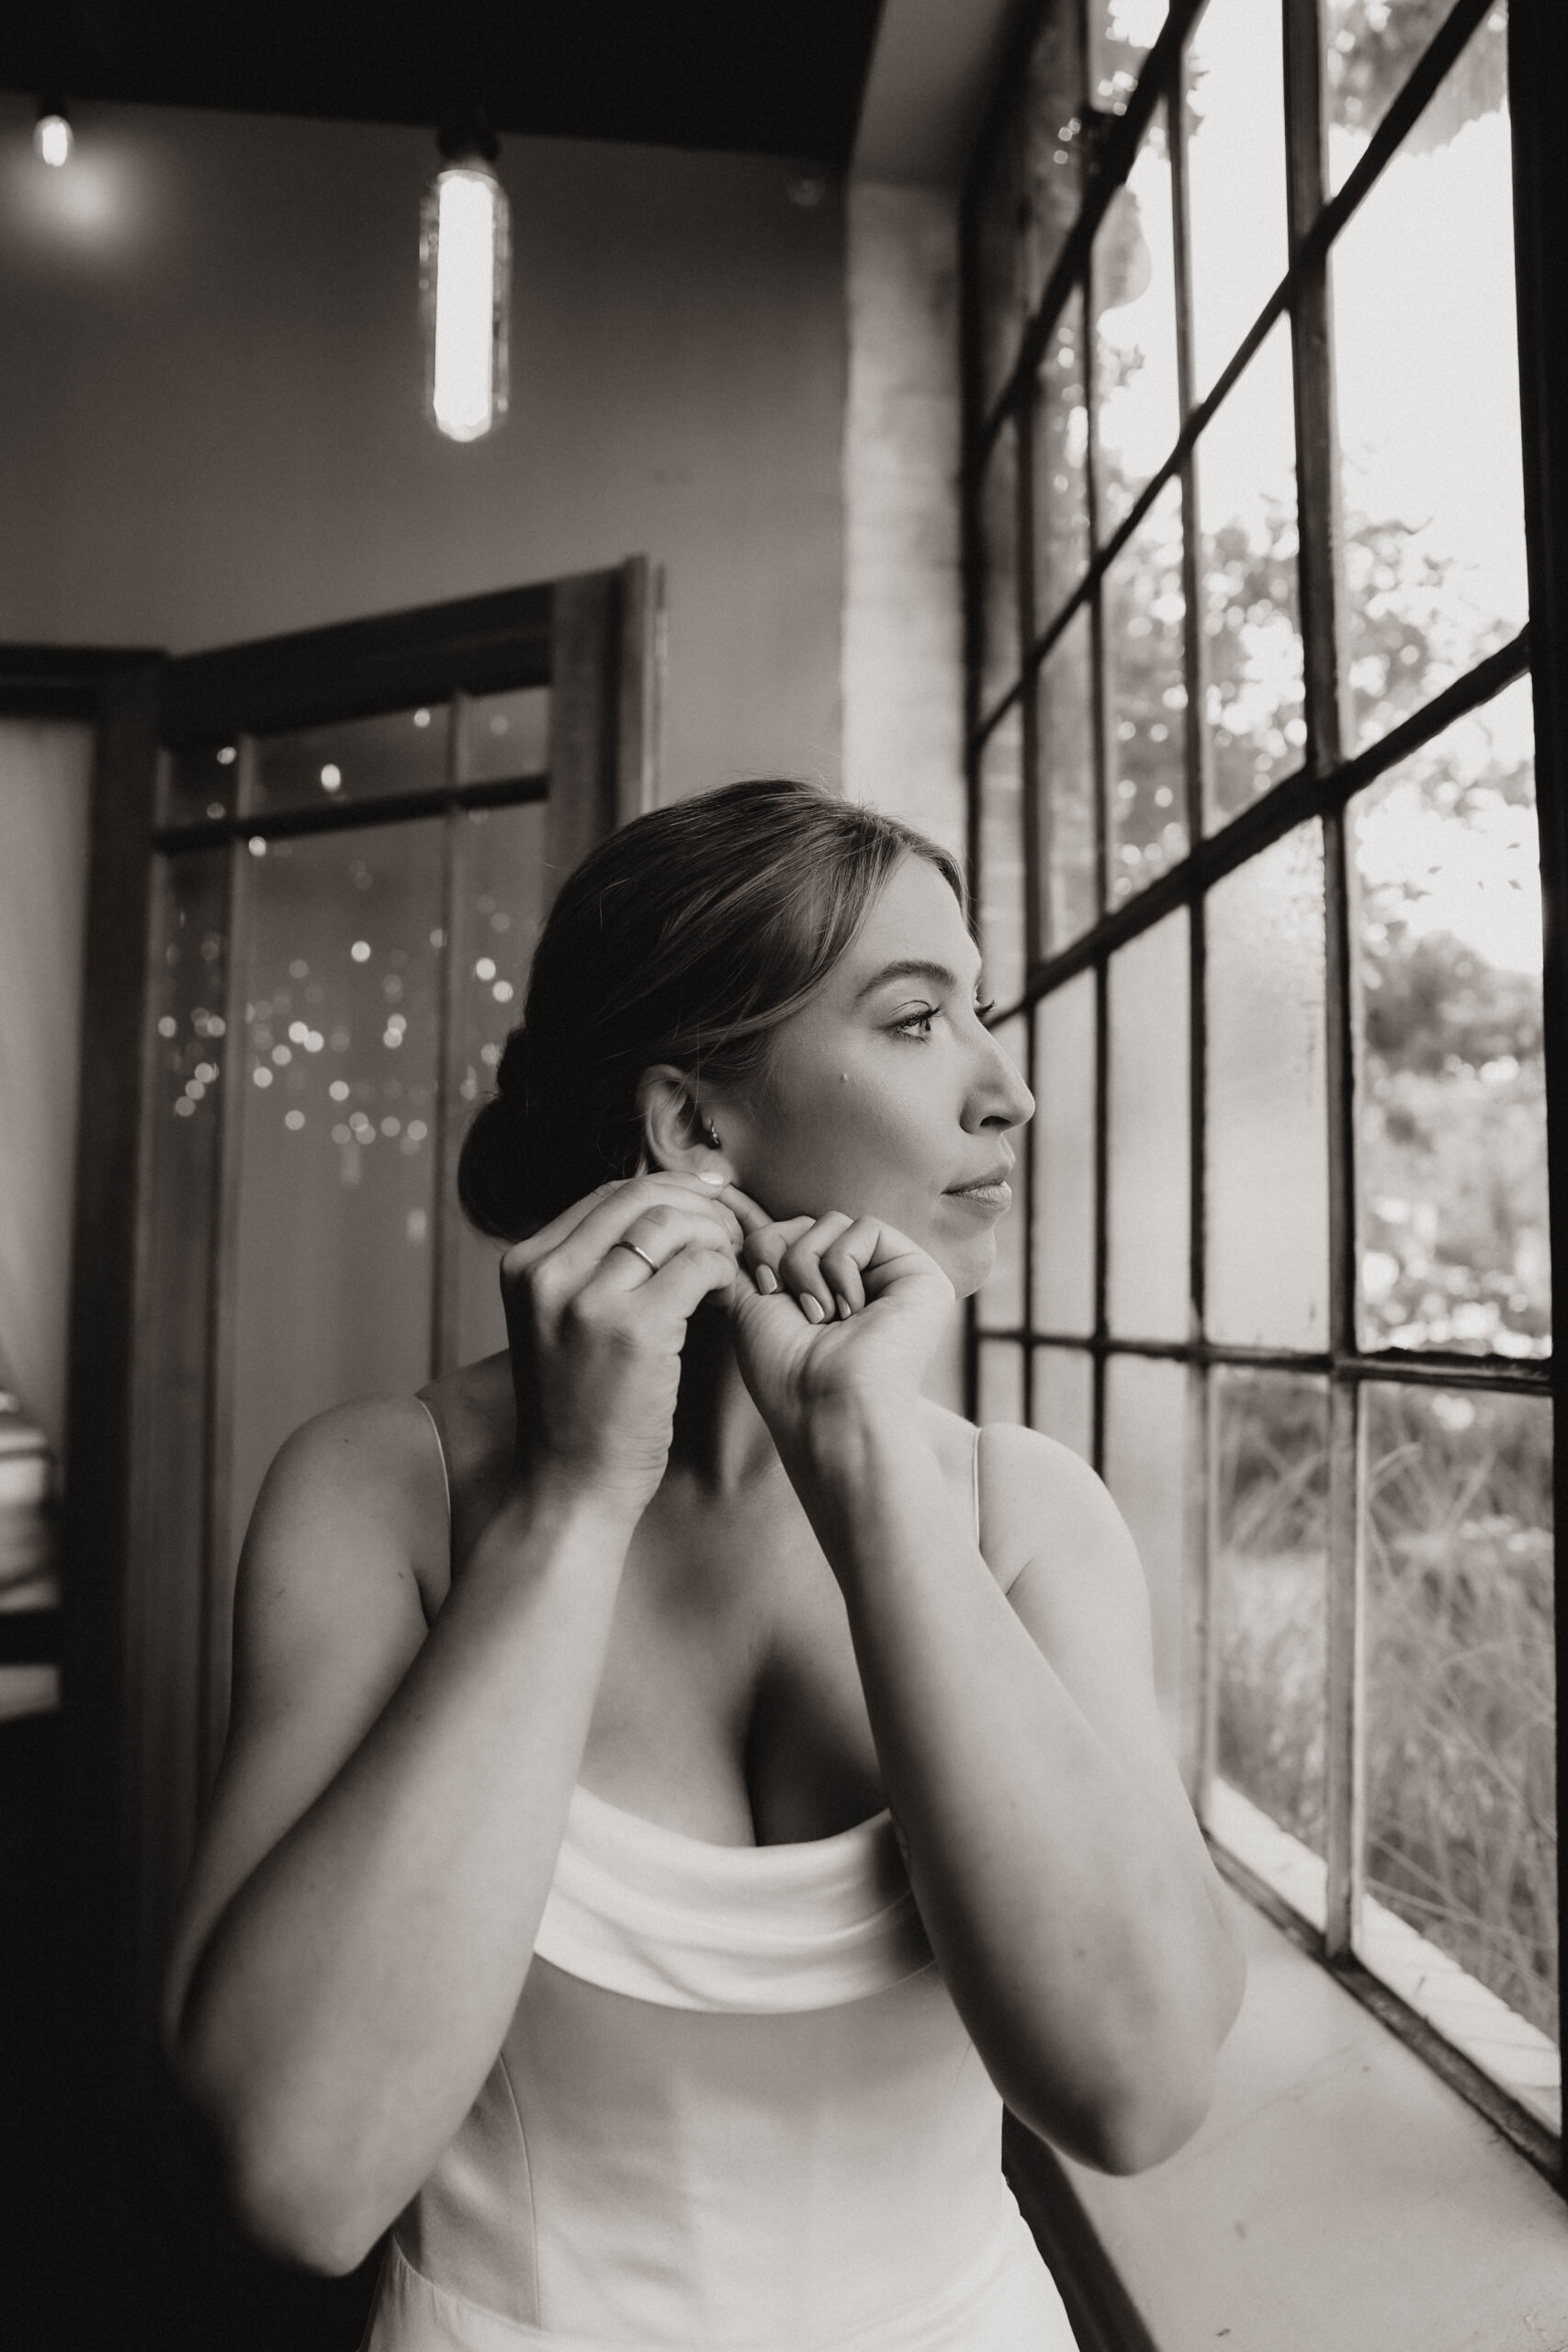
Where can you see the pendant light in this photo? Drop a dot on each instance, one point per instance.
(464, 282)
(52, 135)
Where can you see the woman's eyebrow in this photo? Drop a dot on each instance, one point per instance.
(912, 968)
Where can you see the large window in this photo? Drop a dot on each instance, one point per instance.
(1254, 831)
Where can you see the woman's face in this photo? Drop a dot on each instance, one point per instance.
(885, 1096)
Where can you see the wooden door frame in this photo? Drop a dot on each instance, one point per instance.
(116, 1652)
(116, 692)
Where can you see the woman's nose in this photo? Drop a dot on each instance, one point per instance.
(1013, 1104)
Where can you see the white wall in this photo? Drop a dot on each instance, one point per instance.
(903, 658)
(210, 384)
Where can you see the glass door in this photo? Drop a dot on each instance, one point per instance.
(358, 835)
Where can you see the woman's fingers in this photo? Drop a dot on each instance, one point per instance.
(844, 1259)
(653, 1240)
(764, 1247)
(832, 1261)
(802, 1267)
(584, 1233)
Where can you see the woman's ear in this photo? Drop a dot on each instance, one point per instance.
(677, 1133)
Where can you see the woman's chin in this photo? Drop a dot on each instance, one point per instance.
(969, 1263)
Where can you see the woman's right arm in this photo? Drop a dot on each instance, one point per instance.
(382, 1837)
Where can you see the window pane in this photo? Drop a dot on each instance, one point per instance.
(1054, 145)
(1061, 442)
(1147, 1145)
(1002, 933)
(506, 735)
(1002, 1381)
(1426, 356)
(1133, 281)
(1373, 48)
(1064, 717)
(1452, 1121)
(353, 759)
(1270, 1593)
(1246, 505)
(1064, 1397)
(1145, 1456)
(335, 1102)
(1121, 34)
(1236, 175)
(999, 250)
(1146, 695)
(1063, 1136)
(1000, 1300)
(501, 860)
(1267, 1215)
(998, 527)
(1462, 1840)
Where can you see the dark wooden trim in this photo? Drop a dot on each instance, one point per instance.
(1537, 74)
(1103, 2316)
(585, 698)
(99, 1445)
(339, 816)
(478, 644)
(64, 681)
(639, 709)
(29, 1636)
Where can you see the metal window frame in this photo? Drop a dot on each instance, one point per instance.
(1320, 789)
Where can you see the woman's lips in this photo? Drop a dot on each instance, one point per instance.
(997, 1195)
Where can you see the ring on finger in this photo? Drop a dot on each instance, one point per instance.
(632, 1246)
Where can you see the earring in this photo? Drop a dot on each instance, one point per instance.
(712, 1135)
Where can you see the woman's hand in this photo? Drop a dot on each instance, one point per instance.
(595, 1332)
(840, 1310)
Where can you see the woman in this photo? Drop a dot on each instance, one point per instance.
(677, 1790)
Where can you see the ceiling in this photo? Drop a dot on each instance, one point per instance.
(781, 77)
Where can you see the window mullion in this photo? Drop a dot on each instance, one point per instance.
(1541, 180)
(1317, 453)
(1318, 582)
(1200, 1713)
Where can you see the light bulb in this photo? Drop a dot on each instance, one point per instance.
(52, 137)
(465, 255)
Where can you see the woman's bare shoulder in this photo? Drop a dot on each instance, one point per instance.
(1033, 1493)
(1043, 1505)
(369, 1467)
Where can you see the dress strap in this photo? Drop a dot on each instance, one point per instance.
(441, 1457)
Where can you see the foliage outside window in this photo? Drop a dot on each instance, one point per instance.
(1253, 821)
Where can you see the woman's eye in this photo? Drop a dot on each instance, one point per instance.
(984, 1011)
(916, 1024)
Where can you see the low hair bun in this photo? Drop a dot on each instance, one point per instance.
(492, 1166)
(512, 1077)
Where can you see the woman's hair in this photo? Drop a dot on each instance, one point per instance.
(686, 937)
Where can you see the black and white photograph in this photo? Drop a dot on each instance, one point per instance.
(784, 1123)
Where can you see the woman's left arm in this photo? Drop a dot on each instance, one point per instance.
(1062, 1879)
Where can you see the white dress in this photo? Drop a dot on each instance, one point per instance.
(735, 2111)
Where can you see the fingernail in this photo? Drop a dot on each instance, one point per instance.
(717, 1182)
(845, 1309)
(811, 1308)
(767, 1281)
